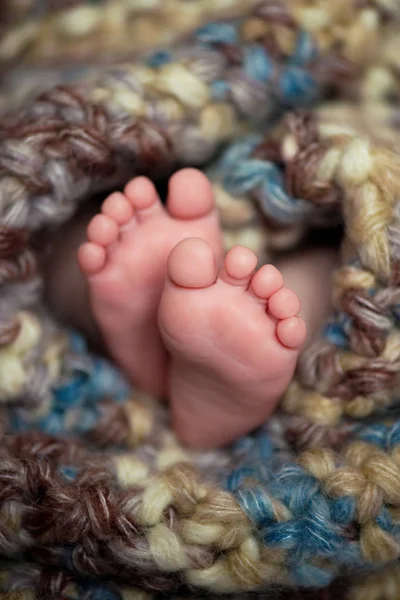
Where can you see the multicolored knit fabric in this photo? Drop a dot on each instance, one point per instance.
(98, 499)
(75, 30)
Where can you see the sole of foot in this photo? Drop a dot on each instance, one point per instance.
(234, 337)
(125, 260)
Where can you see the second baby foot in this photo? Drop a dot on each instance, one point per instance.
(125, 263)
(234, 338)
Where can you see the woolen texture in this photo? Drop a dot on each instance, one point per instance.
(98, 499)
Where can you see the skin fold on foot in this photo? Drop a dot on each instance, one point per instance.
(234, 336)
(124, 262)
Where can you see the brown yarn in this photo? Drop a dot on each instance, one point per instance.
(12, 241)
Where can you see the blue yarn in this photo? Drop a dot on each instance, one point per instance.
(276, 203)
(334, 333)
(77, 343)
(305, 51)
(396, 311)
(258, 453)
(88, 419)
(297, 87)
(98, 378)
(101, 592)
(337, 330)
(242, 174)
(319, 536)
(159, 58)
(377, 434)
(217, 33)
(75, 397)
(250, 174)
(81, 391)
(53, 424)
(94, 590)
(16, 422)
(106, 380)
(235, 155)
(281, 535)
(308, 537)
(295, 487)
(254, 449)
(350, 556)
(237, 478)
(220, 90)
(72, 392)
(309, 575)
(258, 441)
(263, 446)
(385, 521)
(315, 529)
(69, 473)
(244, 444)
(257, 506)
(257, 63)
(342, 510)
(393, 437)
(76, 420)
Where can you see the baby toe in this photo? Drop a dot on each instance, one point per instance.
(91, 258)
(143, 196)
(266, 282)
(118, 208)
(292, 332)
(284, 304)
(102, 230)
(239, 266)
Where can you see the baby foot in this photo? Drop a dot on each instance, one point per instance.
(125, 264)
(234, 340)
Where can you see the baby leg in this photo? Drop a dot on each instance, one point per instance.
(66, 288)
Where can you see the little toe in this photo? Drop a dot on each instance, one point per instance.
(91, 258)
(291, 332)
(102, 230)
(192, 264)
(118, 208)
(266, 282)
(284, 304)
(239, 266)
(190, 195)
(143, 196)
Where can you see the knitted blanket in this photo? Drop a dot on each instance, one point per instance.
(291, 107)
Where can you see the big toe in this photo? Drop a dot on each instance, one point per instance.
(192, 264)
(190, 195)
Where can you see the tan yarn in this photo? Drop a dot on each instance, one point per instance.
(96, 493)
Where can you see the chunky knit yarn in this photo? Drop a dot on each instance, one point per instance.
(98, 499)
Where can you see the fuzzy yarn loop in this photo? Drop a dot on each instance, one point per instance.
(98, 499)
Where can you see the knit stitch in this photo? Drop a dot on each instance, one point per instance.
(98, 499)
